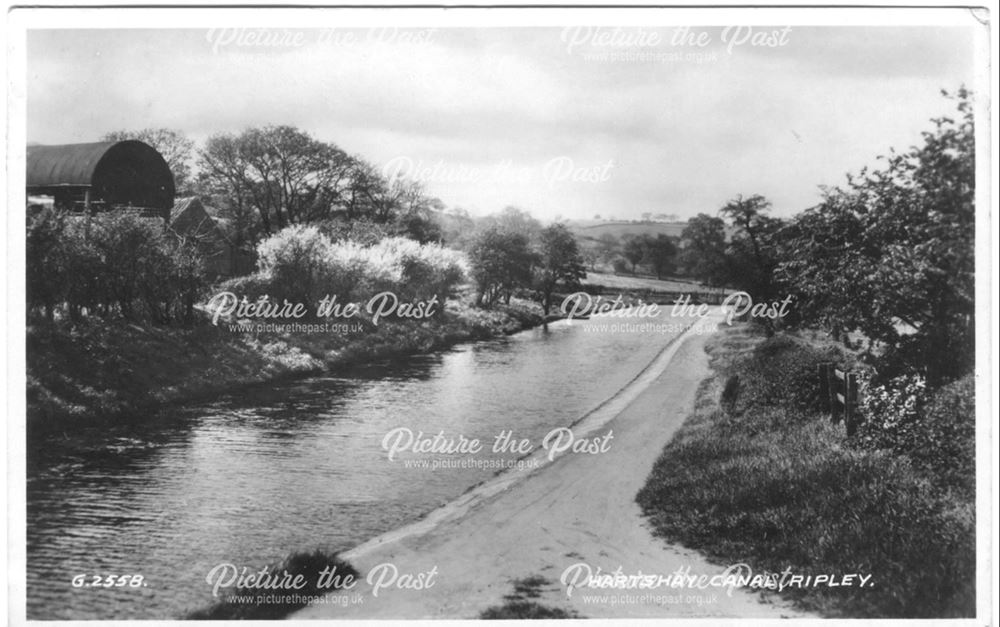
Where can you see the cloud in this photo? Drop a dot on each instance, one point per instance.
(683, 135)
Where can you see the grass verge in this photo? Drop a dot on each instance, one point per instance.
(768, 481)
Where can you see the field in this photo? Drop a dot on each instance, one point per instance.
(618, 229)
(631, 283)
(673, 229)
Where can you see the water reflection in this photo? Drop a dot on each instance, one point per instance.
(253, 475)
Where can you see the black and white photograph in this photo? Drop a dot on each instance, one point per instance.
(552, 312)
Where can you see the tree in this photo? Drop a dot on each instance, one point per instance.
(661, 252)
(175, 147)
(414, 215)
(819, 265)
(893, 254)
(379, 198)
(418, 224)
(634, 251)
(367, 193)
(281, 173)
(45, 261)
(747, 215)
(558, 263)
(120, 264)
(289, 171)
(224, 174)
(703, 255)
(515, 220)
(607, 245)
(501, 262)
(751, 255)
(591, 255)
(457, 228)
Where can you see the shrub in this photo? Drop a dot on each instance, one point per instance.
(500, 263)
(45, 261)
(892, 409)
(784, 371)
(362, 231)
(422, 270)
(117, 263)
(302, 265)
(296, 262)
(935, 430)
(947, 442)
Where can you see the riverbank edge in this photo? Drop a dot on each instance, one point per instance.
(100, 371)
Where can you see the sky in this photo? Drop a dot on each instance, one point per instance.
(564, 122)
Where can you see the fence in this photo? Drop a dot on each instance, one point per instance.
(839, 390)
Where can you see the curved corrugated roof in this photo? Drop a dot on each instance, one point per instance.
(67, 164)
(75, 164)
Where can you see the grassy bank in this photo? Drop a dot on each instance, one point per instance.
(763, 478)
(115, 368)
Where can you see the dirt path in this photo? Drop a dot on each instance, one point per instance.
(579, 509)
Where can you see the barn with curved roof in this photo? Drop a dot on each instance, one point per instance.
(102, 175)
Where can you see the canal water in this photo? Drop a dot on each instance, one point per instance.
(257, 474)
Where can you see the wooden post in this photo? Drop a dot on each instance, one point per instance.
(836, 398)
(86, 211)
(824, 387)
(851, 398)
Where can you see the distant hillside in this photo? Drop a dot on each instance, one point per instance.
(672, 229)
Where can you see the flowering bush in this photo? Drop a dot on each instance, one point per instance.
(892, 410)
(935, 430)
(295, 263)
(303, 265)
(421, 270)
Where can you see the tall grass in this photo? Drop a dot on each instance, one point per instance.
(772, 483)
